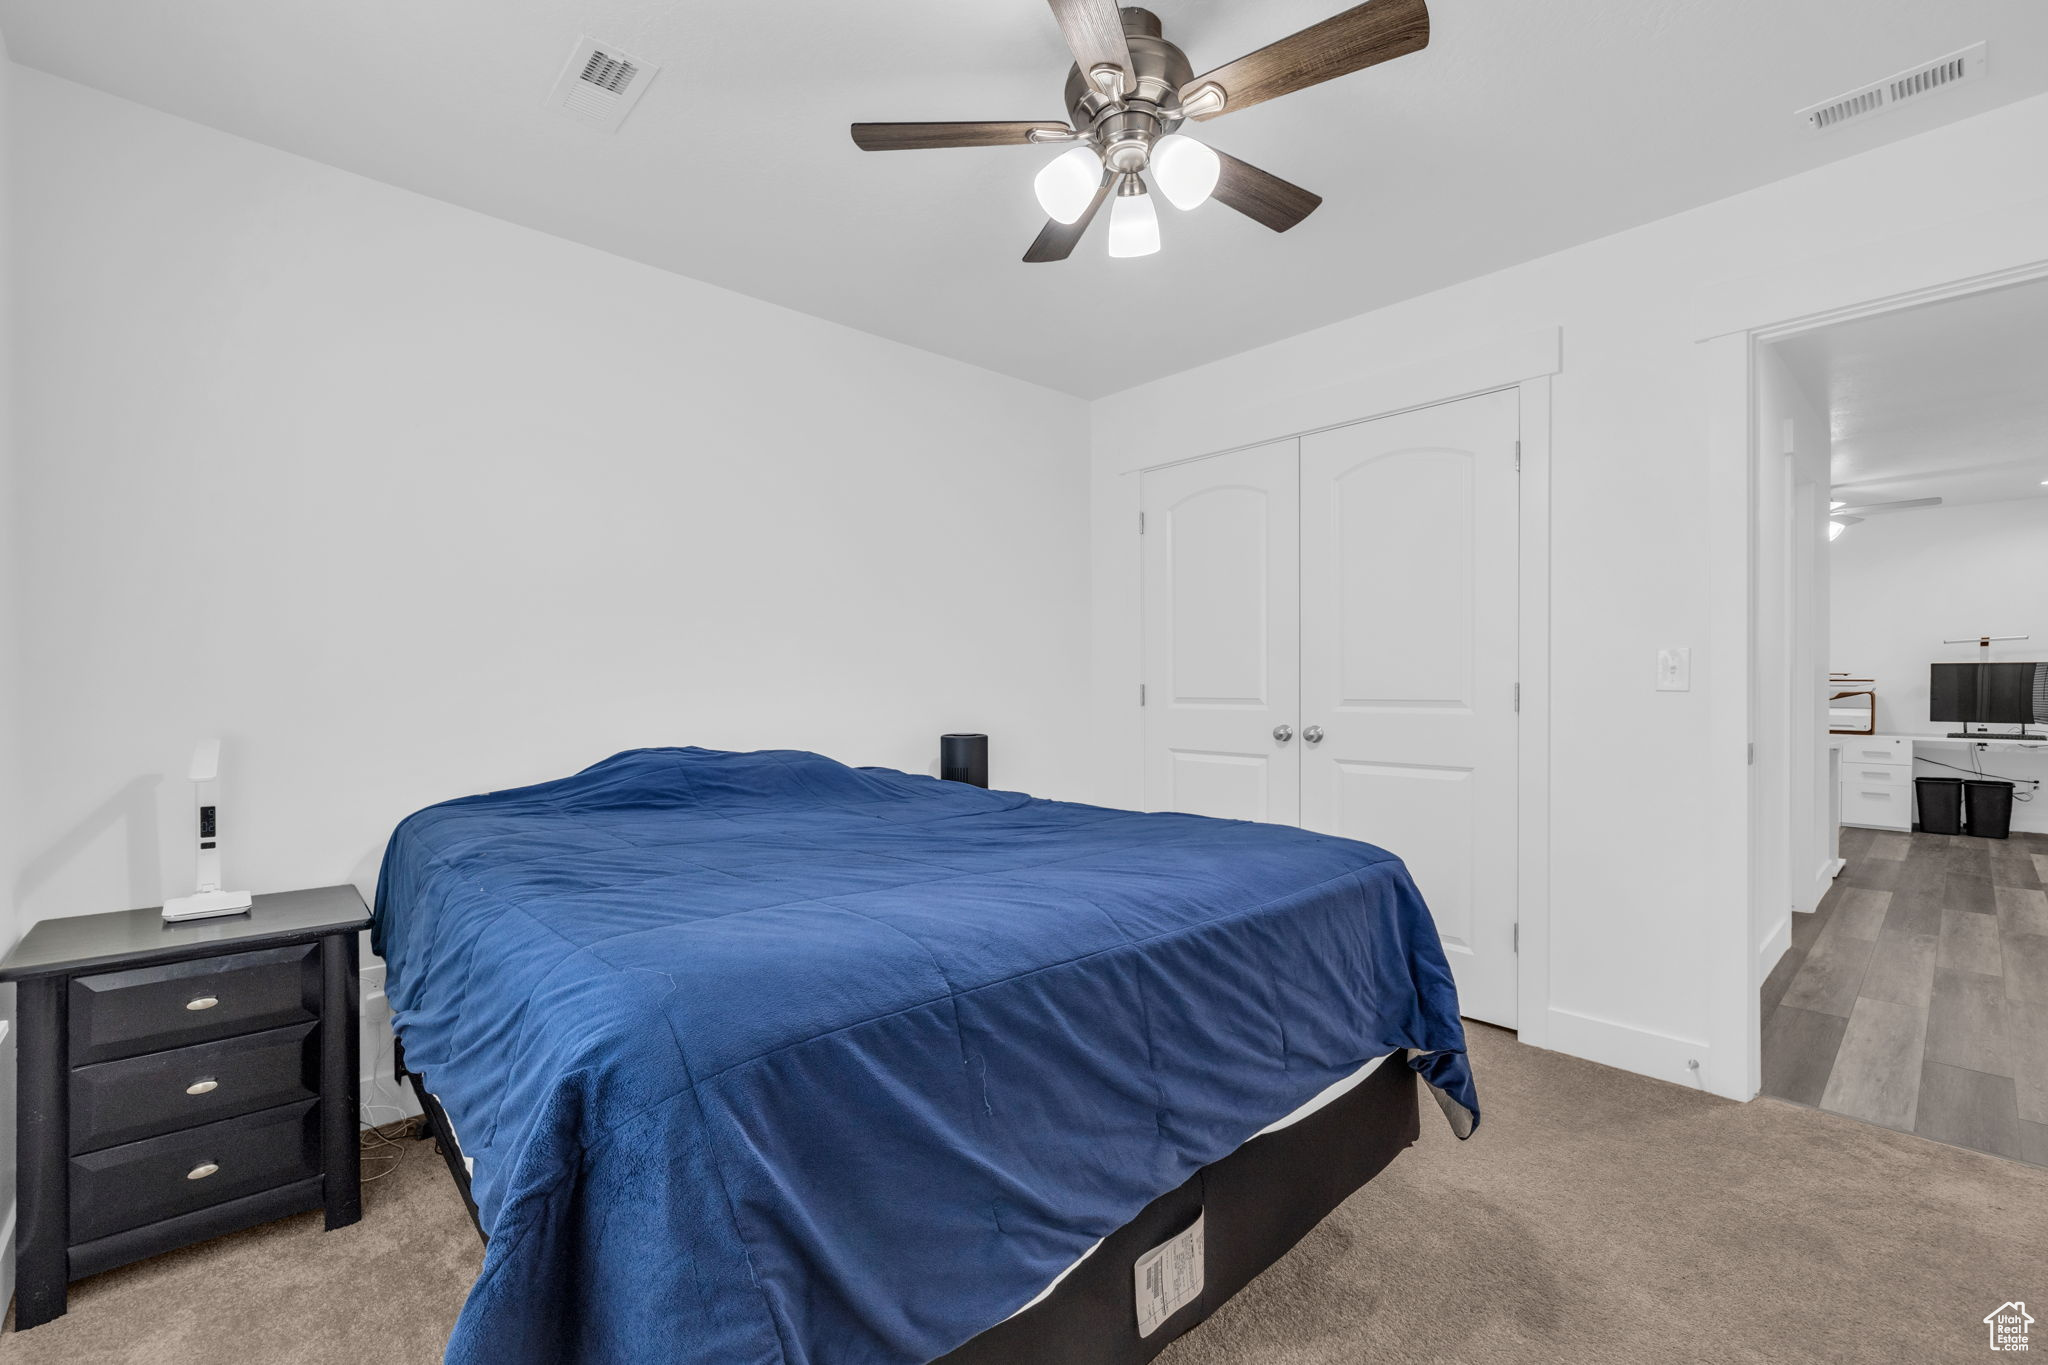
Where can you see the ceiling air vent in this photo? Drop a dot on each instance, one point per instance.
(1912, 84)
(599, 84)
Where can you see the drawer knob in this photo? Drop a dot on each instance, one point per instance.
(202, 1087)
(201, 1171)
(204, 1002)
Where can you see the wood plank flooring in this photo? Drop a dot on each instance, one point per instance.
(1916, 995)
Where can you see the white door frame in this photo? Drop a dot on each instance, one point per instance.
(1524, 363)
(1733, 318)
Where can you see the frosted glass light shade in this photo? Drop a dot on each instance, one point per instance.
(1185, 170)
(1133, 226)
(1068, 183)
(1835, 528)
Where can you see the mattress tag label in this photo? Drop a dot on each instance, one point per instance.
(1169, 1278)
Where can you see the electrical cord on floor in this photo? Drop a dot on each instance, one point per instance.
(380, 1148)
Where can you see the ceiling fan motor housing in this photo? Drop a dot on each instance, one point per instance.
(1124, 129)
(1129, 89)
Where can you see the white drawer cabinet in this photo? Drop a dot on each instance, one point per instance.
(1877, 782)
(1877, 805)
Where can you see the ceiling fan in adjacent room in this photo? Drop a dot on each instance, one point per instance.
(1841, 516)
(1128, 94)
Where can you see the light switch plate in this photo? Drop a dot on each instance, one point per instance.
(1674, 670)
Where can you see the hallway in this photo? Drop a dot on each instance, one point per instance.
(1916, 995)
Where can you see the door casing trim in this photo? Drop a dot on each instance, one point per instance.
(1732, 319)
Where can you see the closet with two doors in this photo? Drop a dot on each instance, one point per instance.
(1331, 641)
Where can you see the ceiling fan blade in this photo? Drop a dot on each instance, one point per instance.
(1375, 32)
(916, 137)
(1899, 506)
(1056, 240)
(1262, 196)
(1094, 30)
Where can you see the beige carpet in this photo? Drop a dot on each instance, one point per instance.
(1596, 1217)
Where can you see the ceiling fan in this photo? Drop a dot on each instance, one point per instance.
(1841, 516)
(1129, 92)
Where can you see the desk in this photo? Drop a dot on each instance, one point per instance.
(1876, 775)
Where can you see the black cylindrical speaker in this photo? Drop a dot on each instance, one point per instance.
(964, 758)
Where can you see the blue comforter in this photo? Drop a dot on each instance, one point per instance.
(764, 1059)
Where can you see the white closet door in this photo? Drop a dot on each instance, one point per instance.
(1409, 574)
(1222, 650)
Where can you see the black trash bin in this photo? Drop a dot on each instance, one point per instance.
(1987, 808)
(1941, 804)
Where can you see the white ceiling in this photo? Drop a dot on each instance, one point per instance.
(1524, 128)
(1949, 400)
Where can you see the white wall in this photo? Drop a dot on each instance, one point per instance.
(1630, 922)
(1906, 581)
(409, 503)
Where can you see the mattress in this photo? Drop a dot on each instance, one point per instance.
(1316, 1105)
(761, 1058)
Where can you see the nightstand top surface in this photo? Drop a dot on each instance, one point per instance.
(58, 947)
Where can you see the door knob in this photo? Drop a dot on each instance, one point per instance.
(1312, 735)
(1283, 733)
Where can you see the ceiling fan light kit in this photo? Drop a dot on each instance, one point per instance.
(1133, 222)
(1128, 94)
(1066, 186)
(1187, 170)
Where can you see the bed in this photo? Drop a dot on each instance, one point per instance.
(762, 1058)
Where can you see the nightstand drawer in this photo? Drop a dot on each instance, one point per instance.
(162, 1177)
(154, 1009)
(161, 1092)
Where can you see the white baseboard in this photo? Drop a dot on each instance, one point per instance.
(1643, 1051)
(385, 1098)
(1808, 897)
(1775, 945)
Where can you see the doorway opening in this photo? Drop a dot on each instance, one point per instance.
(1900, 664)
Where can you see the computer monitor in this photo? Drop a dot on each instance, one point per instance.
(1982, 694)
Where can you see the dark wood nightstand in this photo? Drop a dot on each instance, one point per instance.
(180, 1081)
